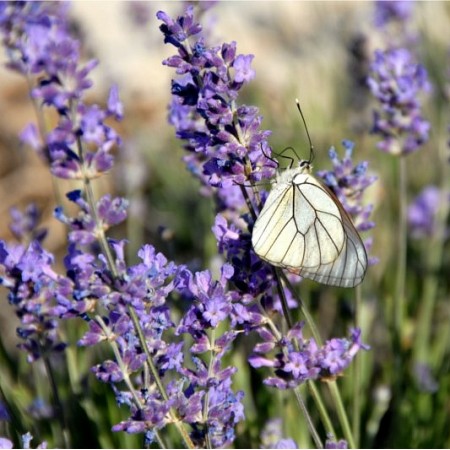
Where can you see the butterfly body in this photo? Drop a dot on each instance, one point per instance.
(304, 228)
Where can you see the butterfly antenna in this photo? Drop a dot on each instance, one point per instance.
(311, 147)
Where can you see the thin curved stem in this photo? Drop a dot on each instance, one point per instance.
(205, 405)
(357, 372)
(59, 410)
(399, 301)
(343, 419)
(312, 430)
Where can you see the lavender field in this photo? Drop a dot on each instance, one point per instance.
(188, 262)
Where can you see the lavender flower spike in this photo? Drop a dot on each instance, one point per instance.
(396, 80)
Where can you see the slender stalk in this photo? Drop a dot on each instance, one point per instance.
(334, 390)
(311, 427)
(399, 301)
(311, 385)
(357, 371)
(100, 232)
(59, 410)
(205, 405)
(282, 295)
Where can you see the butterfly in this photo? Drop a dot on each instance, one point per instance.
(304, 228)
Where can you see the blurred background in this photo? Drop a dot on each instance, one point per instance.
(318, 52)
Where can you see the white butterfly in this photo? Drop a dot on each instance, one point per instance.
(304, 228)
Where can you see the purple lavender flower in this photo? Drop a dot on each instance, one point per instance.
(388, 11)
(227, 149)
(5, 443)
(24, 225)
(38, 294)
(84, 228)
(423, 211)
(271, 436)
(225, 140)
(396, 80)
(204, 388)
(332, 443)
(39, 46)
(425, 378)
(349, 182)
(293, 367)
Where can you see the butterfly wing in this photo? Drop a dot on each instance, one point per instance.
(304, 228)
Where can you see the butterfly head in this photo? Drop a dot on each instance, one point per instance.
(305, 166)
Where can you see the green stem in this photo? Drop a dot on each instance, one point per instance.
(357, 371)
(315, 393)
(327, 423)
(99, 231)
(287, 315)
(59, 410)
(205, 405)
(433, 258)
(399, 301)
(347, 431)
(311, 427)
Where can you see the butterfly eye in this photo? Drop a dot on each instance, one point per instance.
(304, 163)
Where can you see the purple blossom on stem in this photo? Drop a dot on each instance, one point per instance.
(423, 211)
(309, 362)
(38, 294)
(224, 139)
(332, 443)
(227, 149)
(272, 436)
(349, 182)
(40, 47)
(391, 11)
(84, 228)
(24, 225)
(396, 81)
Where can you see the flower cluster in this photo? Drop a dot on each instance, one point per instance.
(26, 441)
(36, 291)
(271, 436)
(298, 359)
(396, 80)
(225, 141)
(41, 48)
(78, 147)
(153, 372)
(24, 225)
(423, 211)
(115, 300)
(227, 149)
(200, 395)
(388, 11)
(349, 182)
